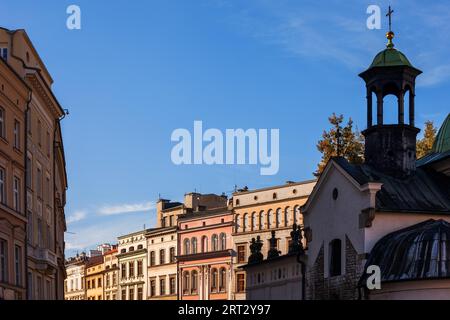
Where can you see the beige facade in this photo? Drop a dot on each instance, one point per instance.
(94, 278)
(111, 274)
(74, 288)
(132, 261)
(162, 265)
(257, 213)
(33, 156)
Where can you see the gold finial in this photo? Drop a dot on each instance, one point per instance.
(390, 35)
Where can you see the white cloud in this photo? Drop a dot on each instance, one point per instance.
(111, 210)
(77, 216)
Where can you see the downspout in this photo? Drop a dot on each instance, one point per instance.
(303, 266)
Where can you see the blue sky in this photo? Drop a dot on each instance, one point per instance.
(137, 70)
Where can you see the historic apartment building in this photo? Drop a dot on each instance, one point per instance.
(74, 286)
(205, 255)
(132, 261)
(94, 278)
(110, 274)
(258, 213)
(33, 179)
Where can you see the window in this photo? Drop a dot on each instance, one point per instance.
(261, 220)
(152, 258)
(286, 217)
(172, 285)
(40, 233)
(194, 245)
(186, 282)
(245, 222)
(222, 279)
(236, 223)
(131, 293)
(278, 218)
(16, 194)
(29, 171)
(162, 287)
(240, 285)
(204, 244)
(2, 186)
(88, 285)
(194, 282)
(3, 260)
(335, 257)
(223, 242)
(16, 134)
(140, 247)
(18, 264)
(39, 182)
(124, 294)
(139, 268)
(171, 220)
(269, 219)
(123, 269)
(214, 242)
(253, 222)
(163, 222)
(114, 279)
(241, 254)
(131, 268)
(214, 276)
(108, 281)
(140, 293)
(152, 288)
(162, 256)
(99, 282)
(172, 255)
(2, 123)
(186, 246)
(296, 215)
(4, 53)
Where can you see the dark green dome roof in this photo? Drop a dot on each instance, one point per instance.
(389, 58)
(442, 142)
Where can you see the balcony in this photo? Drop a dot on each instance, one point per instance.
(45, 259)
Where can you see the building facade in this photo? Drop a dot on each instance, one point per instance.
(74, 288)
(132, 262)
(205, 255)
(111, 274)
(35, 186)
(258, 213)
(94, 278)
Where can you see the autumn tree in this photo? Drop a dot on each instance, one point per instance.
(340, 141)
(425, 144)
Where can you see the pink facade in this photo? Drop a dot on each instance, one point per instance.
(205, 255)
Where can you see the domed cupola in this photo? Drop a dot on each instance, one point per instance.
(419, 252)
(391, 148)
(442, 142)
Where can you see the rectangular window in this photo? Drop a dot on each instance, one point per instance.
(172, 285)
(240, 282)
(4, 53)
(152, 288)
(140, 293)
(99, 282)
(131, 268)
(16, 194)
(2, 186)
(162, 287)
(124, 294)
(162, 256)
(152, 258)
(241, 254)
(40, 288)
(18, 264)
(171, 221)
(172, 255)
(108, 282)
(30, 286)
(40, 233)
(49, 238)
(131, 293)
(3, 260)
(139, 268)
(114, 278)
(16, 134)
(2, 123)
(123, 270)
(30, 228)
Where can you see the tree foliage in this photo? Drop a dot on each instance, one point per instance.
(425, 144)
(341, 141)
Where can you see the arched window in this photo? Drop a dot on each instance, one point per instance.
(269, 219)
(245, 222)
(194, 282)
(194, 245)
(222, 280)
(214, 243)
(278, 218)
(214, 276)
(286, 216)
(237, 223)
(296, 215)
(223, 241)
(204, 244)
(253, 222)
(186, 246)
(335, 258)
(186, 288)
(261, 220)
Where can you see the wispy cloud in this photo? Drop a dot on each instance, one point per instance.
(111, 210)
(77, 216)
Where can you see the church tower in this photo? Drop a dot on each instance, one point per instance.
(391, 148)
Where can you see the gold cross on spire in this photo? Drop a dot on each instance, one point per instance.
(389, 14)
(390, 35)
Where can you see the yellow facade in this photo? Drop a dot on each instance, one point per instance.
(94, 279)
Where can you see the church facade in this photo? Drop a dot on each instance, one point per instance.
(391, 213)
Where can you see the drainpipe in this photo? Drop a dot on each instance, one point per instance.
(303, 266)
